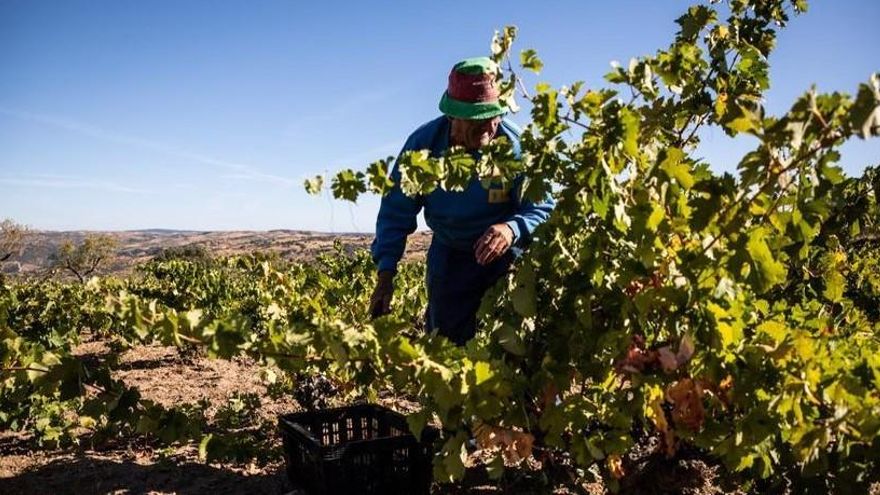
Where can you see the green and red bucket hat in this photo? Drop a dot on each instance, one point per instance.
(472, 93)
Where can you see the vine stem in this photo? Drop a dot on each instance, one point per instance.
(570, 120)
(697, 125)
(23, 368)
(831, 135)
(96, 387)
(516, 79)
(680, 140)
(191, 340)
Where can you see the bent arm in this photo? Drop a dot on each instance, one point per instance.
(528, 216)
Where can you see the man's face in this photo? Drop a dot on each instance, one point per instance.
(473, 134)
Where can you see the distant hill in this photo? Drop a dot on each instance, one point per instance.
(137, 246)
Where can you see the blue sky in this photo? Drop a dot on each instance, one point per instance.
(208, 115)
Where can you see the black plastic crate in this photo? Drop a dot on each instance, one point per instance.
(362, 449)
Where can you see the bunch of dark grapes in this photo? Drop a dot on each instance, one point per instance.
(313, 391)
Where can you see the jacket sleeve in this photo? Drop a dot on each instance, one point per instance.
(528, 215)
(396, 220)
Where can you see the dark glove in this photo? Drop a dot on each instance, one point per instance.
(380, 301)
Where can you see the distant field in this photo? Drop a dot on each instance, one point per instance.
(137, 246)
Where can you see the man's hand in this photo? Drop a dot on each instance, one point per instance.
(380, 301)
(493, 243)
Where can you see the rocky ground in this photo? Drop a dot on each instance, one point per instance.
(165, 375)
(162, 375)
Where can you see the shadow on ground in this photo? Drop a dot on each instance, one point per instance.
(88, 474)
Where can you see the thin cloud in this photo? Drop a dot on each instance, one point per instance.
(261, 177)
(67, 183)
(358, 100)
(243, 170)
(384, 150)
(343, 108)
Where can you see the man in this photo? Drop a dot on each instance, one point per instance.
(477, 232)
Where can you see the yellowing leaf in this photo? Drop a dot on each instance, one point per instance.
(407, 349)
(529, 60)
(769, 270)
(774, 329)
(804, 347)
(835, 283)
(730, 334)
(745, 121)
(203, 446)
(630, 122)
(483, 372)
(87, 422)
(314, 185)
(656, 216)
(673, 166)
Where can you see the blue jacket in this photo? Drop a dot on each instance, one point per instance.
(458, 219)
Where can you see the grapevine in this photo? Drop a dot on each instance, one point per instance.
(735, 316)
